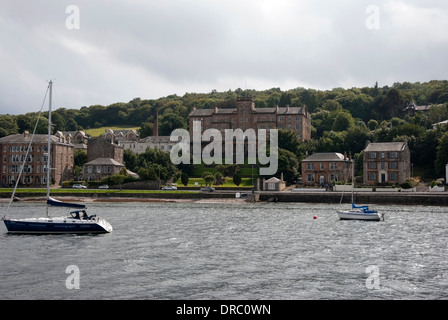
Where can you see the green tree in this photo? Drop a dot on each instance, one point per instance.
(184, 178)
(331, 105)
(80, 157)
(442, 155)
(237, 178)
(208, 178)
(372, 124)
(356, 139)
(8, 125)
(170, 122)
(288, 164)
(288, 140)
(343, 121)
(146, 129)
(219, 179)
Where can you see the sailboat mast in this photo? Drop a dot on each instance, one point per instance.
(50, 86)
(353, 180)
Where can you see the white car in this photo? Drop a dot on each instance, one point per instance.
(79, 186)
(104, 186)
(169, 188)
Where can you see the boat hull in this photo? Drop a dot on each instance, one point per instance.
(360, 215)
(57, 226)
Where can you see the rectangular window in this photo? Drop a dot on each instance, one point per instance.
(372, 155)
(310, 166)
(372, 176)
(393, 155)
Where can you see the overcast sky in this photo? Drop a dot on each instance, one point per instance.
(107, 51)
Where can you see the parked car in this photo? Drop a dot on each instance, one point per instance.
(208, 189)
(79, 186)
(104, 186)
(169, 188)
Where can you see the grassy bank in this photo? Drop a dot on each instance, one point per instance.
(96, 132)
(86, 191)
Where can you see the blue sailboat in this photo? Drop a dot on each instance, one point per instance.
(359, 212)
(77, 221)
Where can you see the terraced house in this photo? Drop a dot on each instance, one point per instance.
(386, 163)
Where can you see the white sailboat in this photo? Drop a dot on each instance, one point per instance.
(77, 222)
(359, 212)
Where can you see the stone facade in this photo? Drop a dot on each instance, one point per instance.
(100, 168)
(386, 163)
(246, 116)
(324, 168)
(103, 148)
(13, 150)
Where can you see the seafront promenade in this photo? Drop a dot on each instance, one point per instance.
(370, 197)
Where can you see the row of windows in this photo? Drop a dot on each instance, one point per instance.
(256, 127)
(26, 180)
(144, 146)
(23, 148)
(382, 165)
(373, 176)
(20, 158)
(98, 169)
(256, 119)
(312, 166)
(312, 178)
(26, 169)
(382, 155)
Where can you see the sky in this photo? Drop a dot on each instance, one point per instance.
(108, 51)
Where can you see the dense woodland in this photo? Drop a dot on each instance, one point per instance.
(343, 120)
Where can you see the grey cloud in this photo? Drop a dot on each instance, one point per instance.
(148, 49)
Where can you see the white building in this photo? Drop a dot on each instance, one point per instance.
(155, 142)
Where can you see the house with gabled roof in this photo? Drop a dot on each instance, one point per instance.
(100, 168)
(386, 163)
(326, 168)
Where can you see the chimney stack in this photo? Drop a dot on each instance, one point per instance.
(155, 129)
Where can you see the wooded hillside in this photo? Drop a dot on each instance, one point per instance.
(343, 120)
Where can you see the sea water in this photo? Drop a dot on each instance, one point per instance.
(231, 250)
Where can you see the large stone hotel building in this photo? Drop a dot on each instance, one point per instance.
(246, 116)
